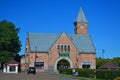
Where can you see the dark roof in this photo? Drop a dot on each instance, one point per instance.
(12, 62)
(44, 42)
(109, 65)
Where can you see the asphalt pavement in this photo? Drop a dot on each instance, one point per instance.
(37, 76)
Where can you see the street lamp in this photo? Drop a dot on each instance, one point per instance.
(103, 55)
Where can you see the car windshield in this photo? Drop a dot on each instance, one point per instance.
(31, 68)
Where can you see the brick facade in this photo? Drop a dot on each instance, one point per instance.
(80, 30)
(51, 58)
(64, 52)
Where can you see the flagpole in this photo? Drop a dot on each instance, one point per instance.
(103, 55)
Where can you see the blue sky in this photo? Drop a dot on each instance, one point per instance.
(56, 16)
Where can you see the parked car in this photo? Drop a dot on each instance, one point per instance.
(31, 70)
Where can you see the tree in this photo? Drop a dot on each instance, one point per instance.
(116, 61)
(100, 61)
(5, 56)
(9, 39)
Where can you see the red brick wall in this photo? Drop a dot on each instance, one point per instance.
(54, 54)
(22, 66)
(41, 57)
(79, 30)
(87, 58)
(49, 60)
(27, 51)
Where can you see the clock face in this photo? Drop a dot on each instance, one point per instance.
(82, 27)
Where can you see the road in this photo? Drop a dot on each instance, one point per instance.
(37, 76)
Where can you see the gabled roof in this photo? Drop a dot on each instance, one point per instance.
(109, 65)
(43, 42)
(12, 62)
(81, 17)
(83, 43)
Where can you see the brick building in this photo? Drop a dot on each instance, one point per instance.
(49, 52)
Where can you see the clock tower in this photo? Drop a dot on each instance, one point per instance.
(81, 23)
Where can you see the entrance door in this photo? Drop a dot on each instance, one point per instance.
(63, 64)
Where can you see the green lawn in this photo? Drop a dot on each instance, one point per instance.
(94, 79)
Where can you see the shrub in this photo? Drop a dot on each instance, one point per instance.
(108, 74)
(85, 73)
(89, 73)
(65, 71)
(118, 78)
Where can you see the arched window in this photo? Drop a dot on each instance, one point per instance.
(68, 48)
(65, 48)
(58, 48)
(61, 48)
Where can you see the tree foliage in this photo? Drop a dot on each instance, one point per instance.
(99, 62)
(9, 39)
(5, 56)
(116, 61)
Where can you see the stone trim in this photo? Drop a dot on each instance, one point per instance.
(66, 58)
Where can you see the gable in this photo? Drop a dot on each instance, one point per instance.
(63, 40)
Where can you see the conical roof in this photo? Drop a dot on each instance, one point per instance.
(81, 17)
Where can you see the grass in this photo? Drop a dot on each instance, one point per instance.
(94, 79)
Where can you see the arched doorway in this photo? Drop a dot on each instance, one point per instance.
(60, 60)
(63, 64)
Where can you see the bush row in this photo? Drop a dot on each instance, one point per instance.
(108, 74)
(90, 73)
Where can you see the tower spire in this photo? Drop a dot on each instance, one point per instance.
(81, 23)
(81, 17)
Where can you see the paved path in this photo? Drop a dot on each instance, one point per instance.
(38, 76)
